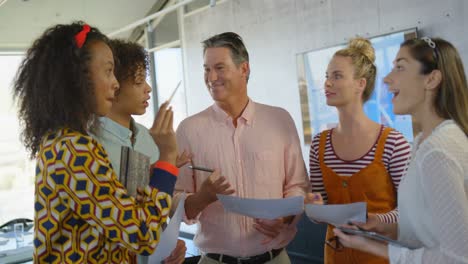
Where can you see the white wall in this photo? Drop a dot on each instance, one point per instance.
(274, 31)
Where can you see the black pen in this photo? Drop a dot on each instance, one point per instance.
(201, 169)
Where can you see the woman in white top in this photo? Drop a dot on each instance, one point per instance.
(428, 82)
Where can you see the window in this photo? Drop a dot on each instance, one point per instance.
(16, 169)
(318, 116)
(169, 73)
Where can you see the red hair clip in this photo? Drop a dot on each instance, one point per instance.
(80, 37)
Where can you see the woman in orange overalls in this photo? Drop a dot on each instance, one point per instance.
(359, 160)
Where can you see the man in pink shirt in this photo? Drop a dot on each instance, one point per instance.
(254, 147)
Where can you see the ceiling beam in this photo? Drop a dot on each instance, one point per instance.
(139, 31)
(149, 18)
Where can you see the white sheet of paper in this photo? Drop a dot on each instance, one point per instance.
(168, 239)
(337, 214)
(262, 208)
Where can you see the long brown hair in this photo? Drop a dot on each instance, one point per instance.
(451, 100)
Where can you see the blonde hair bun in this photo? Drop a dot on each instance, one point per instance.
(363, 46)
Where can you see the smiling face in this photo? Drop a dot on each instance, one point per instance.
(340, 86)
(407, 84)
(224, 79)
(133, 95)
(101, 69)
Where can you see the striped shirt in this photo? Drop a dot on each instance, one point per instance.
(395, 158)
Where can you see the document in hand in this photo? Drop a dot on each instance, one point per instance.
(375, 236)
(262, 208)
(168, 239)
(337, 214)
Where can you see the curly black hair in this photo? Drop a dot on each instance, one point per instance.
(53, 88)
(130, 57)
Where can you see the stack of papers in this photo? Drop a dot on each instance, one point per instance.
(263, 208)
(337, 214)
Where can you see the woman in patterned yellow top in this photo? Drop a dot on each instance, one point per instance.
(82, 213)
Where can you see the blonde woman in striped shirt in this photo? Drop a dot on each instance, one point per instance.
(359, 160)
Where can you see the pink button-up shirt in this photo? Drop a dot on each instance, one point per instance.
(261, 158)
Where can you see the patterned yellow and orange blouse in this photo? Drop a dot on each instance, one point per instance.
(83, 213)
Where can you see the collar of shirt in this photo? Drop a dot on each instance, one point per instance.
(116, 129)
(246, 117)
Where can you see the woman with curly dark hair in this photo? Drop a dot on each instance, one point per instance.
(82, 212)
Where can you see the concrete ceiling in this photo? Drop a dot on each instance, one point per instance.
(22, 21)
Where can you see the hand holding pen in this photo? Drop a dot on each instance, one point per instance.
(201, 168)
(214, 184)
(163, 133)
